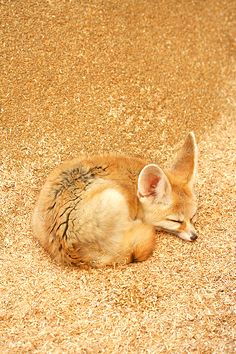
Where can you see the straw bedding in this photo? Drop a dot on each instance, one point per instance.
(131, 77)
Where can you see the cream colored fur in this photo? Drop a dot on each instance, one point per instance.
(105, 209)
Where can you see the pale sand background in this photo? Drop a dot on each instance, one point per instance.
(134, 77)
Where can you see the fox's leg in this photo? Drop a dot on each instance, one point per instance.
(136, 245)
(140, 239)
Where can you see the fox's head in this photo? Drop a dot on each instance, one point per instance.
(167, 198)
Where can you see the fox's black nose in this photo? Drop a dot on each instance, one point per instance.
(193, 236)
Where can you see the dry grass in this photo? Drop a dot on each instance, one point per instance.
(134, 77)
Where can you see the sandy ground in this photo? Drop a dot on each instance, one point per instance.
(133, 77)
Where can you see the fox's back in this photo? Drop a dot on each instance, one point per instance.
(80, 179)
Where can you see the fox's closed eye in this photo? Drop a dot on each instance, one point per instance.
(176, 221)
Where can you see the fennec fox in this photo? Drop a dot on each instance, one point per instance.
(105, 209)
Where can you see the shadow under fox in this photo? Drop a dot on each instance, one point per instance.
(101, 210)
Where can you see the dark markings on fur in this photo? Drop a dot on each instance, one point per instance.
(67, 208)
(57, 192)
(64, 211)
(64, 235)
(133, 174)
(51, 207)
(60, 247)
(70, 208)
(62, 223)
(69, 201)
(68, 181)
(53, 227)
(70, 177)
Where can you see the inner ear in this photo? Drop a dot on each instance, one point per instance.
(185, 166)
(153, 181)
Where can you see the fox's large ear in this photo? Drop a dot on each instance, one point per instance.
(153, 182)
(185, 165)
